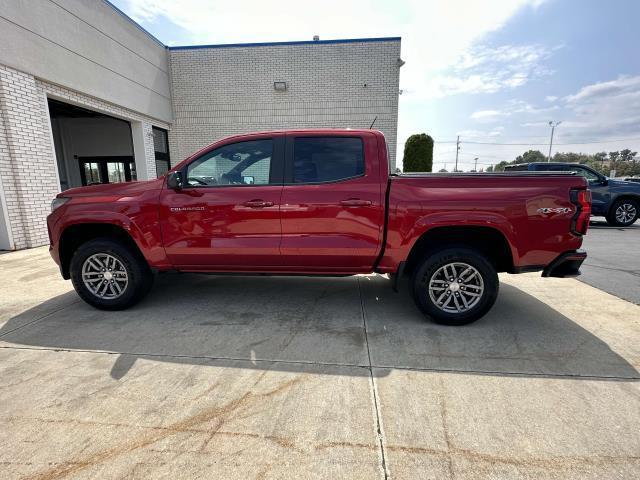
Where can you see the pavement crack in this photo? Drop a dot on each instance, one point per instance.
(373, 385)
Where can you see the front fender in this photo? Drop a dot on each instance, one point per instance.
(142, 227)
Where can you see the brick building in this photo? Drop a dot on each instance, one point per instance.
(87, 96)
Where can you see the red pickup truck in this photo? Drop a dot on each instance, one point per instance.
(320, 202)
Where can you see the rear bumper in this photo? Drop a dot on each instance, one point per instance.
(566, 264)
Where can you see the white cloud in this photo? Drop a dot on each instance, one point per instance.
(488, 70)
(623, 85)
(440, 40)
(512, 107)
(551, 98)
(487, 114)
(605, 109)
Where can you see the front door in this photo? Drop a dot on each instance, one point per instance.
(332, 203)
(227, 215)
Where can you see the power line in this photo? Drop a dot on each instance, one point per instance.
(531, 144)
(545, 144)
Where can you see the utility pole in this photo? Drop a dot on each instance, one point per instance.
(457, 151)
(475, 167)
(553, 127)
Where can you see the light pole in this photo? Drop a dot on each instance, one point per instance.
(475, 167)
(553, 128)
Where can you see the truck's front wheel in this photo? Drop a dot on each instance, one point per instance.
(455, 286)
(108, 275)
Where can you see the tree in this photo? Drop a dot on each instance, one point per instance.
(500, 166)
(571, 157)
(418, 153)
(531, 156)
(627, 155)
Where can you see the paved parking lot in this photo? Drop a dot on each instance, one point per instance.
(237, 377)
(613, 264)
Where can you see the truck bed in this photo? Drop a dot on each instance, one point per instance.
(530, 209)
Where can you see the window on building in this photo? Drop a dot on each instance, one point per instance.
(327, 159)
(243, 163)
(161, 149)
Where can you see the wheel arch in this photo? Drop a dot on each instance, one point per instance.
(78, 234)
(623, 196)
(489, 241)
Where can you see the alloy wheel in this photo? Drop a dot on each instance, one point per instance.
(456, 287)
(625, 213)
(104, 276)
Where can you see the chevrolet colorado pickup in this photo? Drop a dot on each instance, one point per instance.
(320, 202)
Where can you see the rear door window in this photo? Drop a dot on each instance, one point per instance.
(327, 159)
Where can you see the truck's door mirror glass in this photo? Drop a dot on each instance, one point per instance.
(174, 180)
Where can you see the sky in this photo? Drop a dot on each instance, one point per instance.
(494, 72)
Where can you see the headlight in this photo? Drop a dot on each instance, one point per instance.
(58, 202)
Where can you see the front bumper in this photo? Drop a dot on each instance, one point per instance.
(566, 264)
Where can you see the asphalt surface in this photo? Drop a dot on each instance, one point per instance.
(613, 262)
(283, 378)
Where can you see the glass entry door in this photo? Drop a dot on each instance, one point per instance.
(95, 170)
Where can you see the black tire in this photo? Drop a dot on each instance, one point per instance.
(625, 203)
(139, 276)
(432, 265)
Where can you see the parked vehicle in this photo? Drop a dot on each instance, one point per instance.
(617, 200)
(320, 202)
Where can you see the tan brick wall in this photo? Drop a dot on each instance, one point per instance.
(218, 92)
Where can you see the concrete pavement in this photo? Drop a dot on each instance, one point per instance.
(279, 377)
(613, 264)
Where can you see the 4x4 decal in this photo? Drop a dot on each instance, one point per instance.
(555, 210)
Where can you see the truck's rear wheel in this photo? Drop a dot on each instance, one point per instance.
(108, 275)
(455, 286)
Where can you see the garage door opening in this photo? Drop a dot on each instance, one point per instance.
(91, 147)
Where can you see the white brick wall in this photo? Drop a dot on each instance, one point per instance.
(27, 162)
(223, 91)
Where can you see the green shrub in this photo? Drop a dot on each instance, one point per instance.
(418, 153)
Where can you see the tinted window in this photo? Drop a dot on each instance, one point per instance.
(327, 159)
(243, 163)
(588, 174)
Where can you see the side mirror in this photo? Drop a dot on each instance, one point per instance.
(174, 181)
(604, 181)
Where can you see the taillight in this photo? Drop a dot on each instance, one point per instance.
(582, 200)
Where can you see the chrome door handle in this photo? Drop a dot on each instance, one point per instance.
(355, 202)
(257, 204)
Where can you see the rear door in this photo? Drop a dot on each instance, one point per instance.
(227, 215)
(332, 210)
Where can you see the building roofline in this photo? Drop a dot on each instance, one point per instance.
(136, 24)
(299, 42)
(255, 44)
